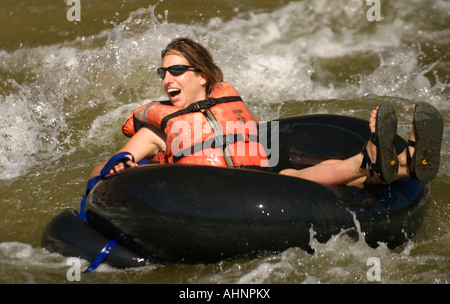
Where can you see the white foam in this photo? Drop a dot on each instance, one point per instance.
(105, 129)
(30, 128)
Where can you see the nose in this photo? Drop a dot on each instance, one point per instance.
(167, 81)
(167, 77)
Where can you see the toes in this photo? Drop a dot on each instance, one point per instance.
(373, 120)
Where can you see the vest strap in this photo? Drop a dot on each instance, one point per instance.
(215, 142)
(198, 106)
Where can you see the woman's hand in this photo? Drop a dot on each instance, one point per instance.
(143, 145)
(120, 166)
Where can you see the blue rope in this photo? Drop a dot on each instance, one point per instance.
(101, 256)
(119, 157)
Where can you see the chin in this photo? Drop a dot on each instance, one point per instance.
(179, 103)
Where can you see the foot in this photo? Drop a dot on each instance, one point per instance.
(371, 148)
(380, 153)
(424, 146)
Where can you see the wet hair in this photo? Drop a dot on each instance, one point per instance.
(198, 56)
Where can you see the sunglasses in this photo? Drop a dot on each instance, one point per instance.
(175, 70)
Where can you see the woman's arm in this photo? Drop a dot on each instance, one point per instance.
(144, 144)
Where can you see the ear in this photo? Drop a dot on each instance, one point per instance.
(204, 80)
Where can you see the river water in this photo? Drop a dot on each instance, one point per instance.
(67, 86)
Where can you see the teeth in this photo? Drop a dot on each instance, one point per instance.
(173, 90)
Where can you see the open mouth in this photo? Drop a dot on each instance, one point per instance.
(173, 92)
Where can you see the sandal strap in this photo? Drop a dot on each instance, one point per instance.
(411, 143)
(367, 162)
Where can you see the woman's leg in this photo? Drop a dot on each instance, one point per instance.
(332, 172)
(348, 171)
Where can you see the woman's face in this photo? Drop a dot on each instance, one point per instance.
(186, 88)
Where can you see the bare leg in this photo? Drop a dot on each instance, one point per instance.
(337, 172)
(348, 171)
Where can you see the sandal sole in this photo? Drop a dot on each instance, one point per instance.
(386, 131)
(429, 128)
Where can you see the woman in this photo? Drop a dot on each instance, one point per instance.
(188, 75)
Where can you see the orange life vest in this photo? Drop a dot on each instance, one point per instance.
(217, 131)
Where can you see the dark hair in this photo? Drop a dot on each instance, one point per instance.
(198, 56)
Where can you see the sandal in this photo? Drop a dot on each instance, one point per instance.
(386, 165)
(428, 130)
